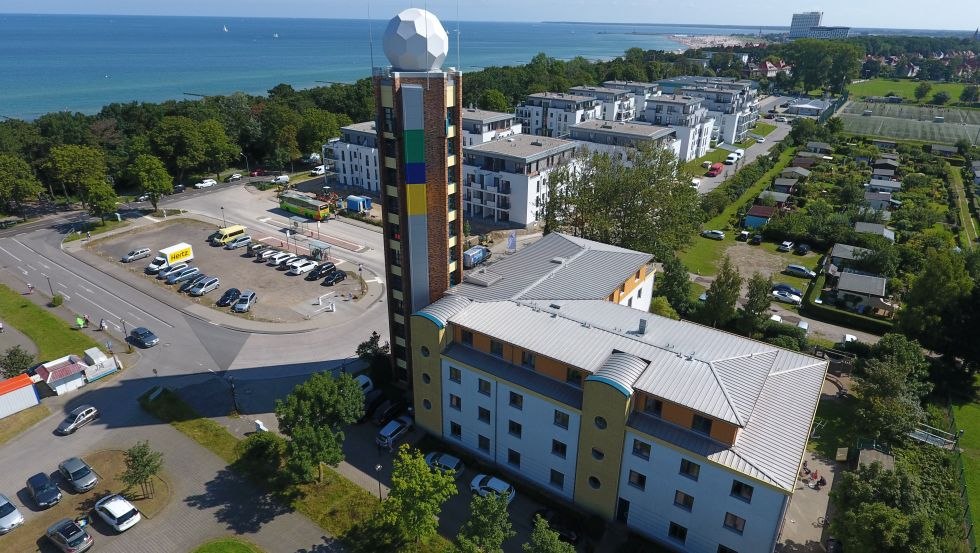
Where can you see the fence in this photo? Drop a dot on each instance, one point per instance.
(968, 525)
(829, 112)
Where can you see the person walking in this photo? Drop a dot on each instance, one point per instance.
(1, 327)
(30, 288)
(87, 321)
(88, 235)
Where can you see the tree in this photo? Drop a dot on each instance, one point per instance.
(922, 90)
(834, 125)
(319, 126)
(890, 387)
(970, 93)
(308, 448)
(101, 199)
(545, 540)
(219, 150)
(934, 299)
(378, 358)
(660, 306)
(940, 98)
(152, 177)
(142, 464)
(675, 284)
(494, 100)
(17, 183)
(78, 168)
(416, 496)
(15, 361)
(757, 302)
(719, 306)
(488, 526)
(260, 455)
(178, 142)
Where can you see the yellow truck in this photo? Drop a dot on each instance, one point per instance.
(178, 253)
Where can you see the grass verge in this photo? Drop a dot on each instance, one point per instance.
(171, 409)
(19, 422)
(95, 228)
(968, 232)
(763, 129)
(903, 88)
(968, 419)
(228, 545)
(53, 337)
(838, 430)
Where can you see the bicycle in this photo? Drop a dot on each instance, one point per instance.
(822, 522)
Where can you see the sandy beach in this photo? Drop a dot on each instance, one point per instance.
(698, 42)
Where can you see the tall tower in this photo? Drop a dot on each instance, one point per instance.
(420, 155)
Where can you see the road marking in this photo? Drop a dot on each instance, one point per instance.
(99, 306)
(264, 219)
(31, 267)
(19, 260)
(62, 285)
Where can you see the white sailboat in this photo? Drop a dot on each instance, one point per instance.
(275, 35)
(225, 28)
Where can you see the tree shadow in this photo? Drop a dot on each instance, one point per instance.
(795, 547)
(329, 545)
(237, 504)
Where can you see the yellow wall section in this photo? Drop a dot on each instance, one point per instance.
(542, 365)
(600, 399)
(387, 100)
(415, 199)
(631, 284)
(426, 333)
(450, 95)
(683, 416)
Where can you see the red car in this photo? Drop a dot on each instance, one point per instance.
(716, 169)
(258, 172)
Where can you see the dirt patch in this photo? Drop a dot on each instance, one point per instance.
(754, 259)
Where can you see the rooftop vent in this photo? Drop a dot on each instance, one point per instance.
(559, 260)
(536, 143)
(555, 306)
(643, 327)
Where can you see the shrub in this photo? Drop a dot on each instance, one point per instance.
(260, 455)
(57, 300)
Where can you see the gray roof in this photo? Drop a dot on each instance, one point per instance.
(778, 197)
(557, 266)
(770, 392)
(586, 90)
(846, 251)
(522, 147)
(364, 126)
(639, 131)
(628, 84)
(441, 310)
(797, 170)
(561, 96)
(862, 284)
(870, 196)
(889, 162)
(484, 116)
(944, 148)
(883, 172)
(819, 146)
(781, 181)
(883, 183)
(675, 99)
(875, 228)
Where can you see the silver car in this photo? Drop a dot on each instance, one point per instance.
(205, 286)
(77, 473)
(10, 517)
(182, 275)
(79, 417)
(136, 254)
(171, 270)
(69, 536)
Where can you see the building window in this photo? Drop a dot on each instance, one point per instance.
(427, 404)
(638, 480)
(573, 377)
(424, 351)
(516, 401)
(426, 378)
(483, 443)
(527, 359)
(683, 500)
(455, 402)
(690, 470)
(557, 479)
(597, 454)
(561, 419)
(741, 490)
(513, 458)
(641, 449)
(594, 483)
(455, 430)
(514, 428)
(558, 448)
(723, 549)
(454, 374)
(484, 387)
(466, 337)
(484, 415)
(701, 425)
(600, 423)
(734, 523)
(677, 532)
(497, 348)
(653, 406)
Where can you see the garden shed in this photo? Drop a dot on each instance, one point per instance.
(17, 394)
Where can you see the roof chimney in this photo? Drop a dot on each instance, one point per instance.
(643, 327)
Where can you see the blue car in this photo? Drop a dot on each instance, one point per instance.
(143, 338)
(781, 287)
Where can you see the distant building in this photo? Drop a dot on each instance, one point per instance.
(687, 116)
(883, 185)
(944, 150)
(829, 32)
(860, 290)
(617, 104)
(758, 216)
(355, 157)
(802, 23)
(875, 228)
(552, 113)
(843, 256)
(784, 185)
(481, 126)
(618, 138)
(878, 200)
(809, 108)
(733, 103)
(641, 93)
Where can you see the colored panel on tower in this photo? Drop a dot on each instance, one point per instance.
(415, 199)
(412, 107)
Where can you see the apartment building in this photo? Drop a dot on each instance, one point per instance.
(688, 435)
(481, 126)
(688, 117)
(507, 179)
(618, 138)
(829, 32)
(617, 104)
(733, 103)
(355, 157)
(641, 92)
(801, 24)
(552, 113)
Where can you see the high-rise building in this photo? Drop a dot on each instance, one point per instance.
(420, 155)
(803, 22)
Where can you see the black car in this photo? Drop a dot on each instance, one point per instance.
(387, 411)
(559, 523)
(188, 284)
(755, 240)
(255, 248)
(371, 401)
(781, 287)
(142, 337)
(321, 271)
(43, 490)
(334, 277)
(802, 249)
(179, 188)
(229, 297)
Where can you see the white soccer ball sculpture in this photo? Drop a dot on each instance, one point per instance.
(415, 40)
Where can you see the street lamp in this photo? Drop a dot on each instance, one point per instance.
(223, 223)
(377, 471)
(129, 345)
(243, 155)
(49, 286)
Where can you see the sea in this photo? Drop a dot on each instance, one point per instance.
(83, 62)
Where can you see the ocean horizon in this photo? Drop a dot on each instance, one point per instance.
(83, 62)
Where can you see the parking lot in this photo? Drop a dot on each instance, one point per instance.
(281, 297)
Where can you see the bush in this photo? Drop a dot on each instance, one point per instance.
(260, 456)
(57, 300)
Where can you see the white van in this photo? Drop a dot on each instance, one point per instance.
(739, 152)
(731, 159)
(392, 432)
(281, 179)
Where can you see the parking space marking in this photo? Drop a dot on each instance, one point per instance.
(19, 260)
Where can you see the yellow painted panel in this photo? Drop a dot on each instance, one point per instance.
(450, 161)
(451, 188)
(452, 242)
(450, 95)
(600, 400)
(399, 318)
(387, 100)
(399, 340)
(394, 244)
(451, 216)
(389, 135)
(451, 131)
(397, 294)
(452, 267)
(415, 199)
(401, 363)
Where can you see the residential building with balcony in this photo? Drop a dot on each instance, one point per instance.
(617, 104)
(481, 126)
(641, 93)
(355, 157)
(618, 138)
(552, 113)
(688, 117)
(733, 103)
(506, 180)
(688, 435)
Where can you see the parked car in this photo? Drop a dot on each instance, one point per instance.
(176, 267)
(266, 255)
(257, 172)
(804, 326)
(10, 517)
(781, 119)
(135, 255)
(77, 473)
(69, 537)
(731, 159)
(371, 401)
(233, 177)
(558, 523)
(387, 411)
(276, 258)
(365, 382)
(239, 242)
(742, 236)
(245, 302)
(304, 266)
(117, 512)
(284, 263)
(230, 296)
(484, 484)
(255, 248)
(444, 462)
(334, 277)
(281, 179)
(321, 271)
(317, 171)
(205, 286)
(800, 271)
(188, 284)
(784, 246)
(713, 234)
(143, 198)
(786, 297)
(392, 432)
(755, 240)
(206, 183)
(183, 275)
(77, 418)
(802, 249)
(143, 337)
(43, 491)
(178, 188)
(787, 288)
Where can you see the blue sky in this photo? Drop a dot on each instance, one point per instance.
(860, 13)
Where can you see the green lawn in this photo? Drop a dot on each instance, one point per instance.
(21, 421)
(763, 129)
(95, 228)
(904, 88)
(694, 167)
(170, 408)
(968, 419)
(228, 545)
(837, 416)
(968, 232)
(53, 337)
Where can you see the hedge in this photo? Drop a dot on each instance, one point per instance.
(833, 315)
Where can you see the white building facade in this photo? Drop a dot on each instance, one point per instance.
(689, 119)
(481, 126)
(617, 104)
(641, 93)
(355, 157)
(617, 139)
(552, 113)
(733, 103)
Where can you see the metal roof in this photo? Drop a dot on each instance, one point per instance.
(628, 129)
(783, 181)
(796, 170)
(522, 147)
(442, 309)
(874, 228)
(484, 116)
(846, 251)
(862, 284)
(778, 197)
(620, 371)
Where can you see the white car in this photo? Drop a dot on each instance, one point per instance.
(786, 297)
(277, 258)
(780, 119)
(714, 234)
(281, 179)
(318, 170)
(444, 462)
(117, 512)
(301, 267)
(484, 484)
(785, 246)
(10, 517)
(233, 177)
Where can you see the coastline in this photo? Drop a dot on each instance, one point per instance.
(699, 42)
